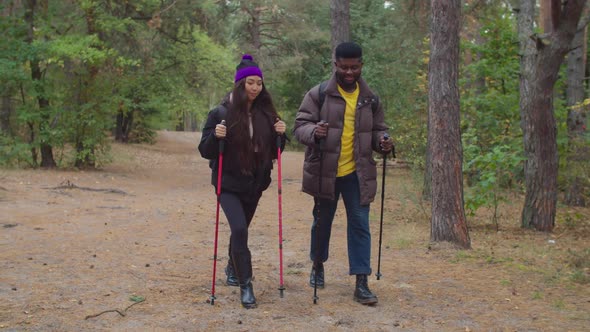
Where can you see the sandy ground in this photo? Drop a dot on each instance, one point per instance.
(130, 247)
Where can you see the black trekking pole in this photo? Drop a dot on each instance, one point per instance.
(385, 138)
(219, 171)
(317, 222)
(280, 192)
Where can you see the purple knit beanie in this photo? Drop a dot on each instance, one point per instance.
(247, 67)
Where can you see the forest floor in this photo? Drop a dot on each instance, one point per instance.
(130, 247)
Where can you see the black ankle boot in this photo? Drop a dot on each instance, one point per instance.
(362, 293)
(232, 279)
(247, 295)
(243, 268)
(319, 270)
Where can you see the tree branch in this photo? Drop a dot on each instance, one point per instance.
(160, 30)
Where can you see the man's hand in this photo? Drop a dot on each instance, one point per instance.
(386, 143)
(321, 130)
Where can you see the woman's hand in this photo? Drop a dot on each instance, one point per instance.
(220, 130)
(280, 127)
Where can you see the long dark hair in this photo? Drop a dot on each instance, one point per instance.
(264, 115)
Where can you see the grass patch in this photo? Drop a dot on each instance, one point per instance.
(293, 272)
(462, 256)
(404, 243)
(580, 277)
(558, 304)
(537, 295)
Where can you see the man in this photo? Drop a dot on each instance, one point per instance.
(341, 126)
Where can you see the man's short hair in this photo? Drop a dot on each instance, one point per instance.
(348, 50)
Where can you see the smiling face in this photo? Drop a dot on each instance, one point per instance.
(348, 71)
(253, 87)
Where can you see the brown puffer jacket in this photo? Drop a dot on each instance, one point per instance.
(369, 128)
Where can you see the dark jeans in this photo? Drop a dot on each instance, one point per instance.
(239, 211)
(357, 221)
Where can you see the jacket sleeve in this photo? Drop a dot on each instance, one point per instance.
(209, 145)
(379, 127)
(307, 117)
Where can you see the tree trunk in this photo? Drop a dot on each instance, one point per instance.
(545, 16)
(340, 21)
(123, 129)
(255, 25)
(47, 160)
(34, 155)
(85, 156)
(427, 181)
(578, 153)
(5, 112)
(7, 106)
(444, 137)
(540, 62)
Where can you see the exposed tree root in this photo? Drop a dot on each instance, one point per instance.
(69, 185)
(120, 312)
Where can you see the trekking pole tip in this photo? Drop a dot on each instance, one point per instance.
(378, 275)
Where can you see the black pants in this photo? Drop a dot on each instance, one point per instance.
(239, 210)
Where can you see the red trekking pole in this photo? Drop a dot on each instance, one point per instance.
(219, 171)
(280, 191)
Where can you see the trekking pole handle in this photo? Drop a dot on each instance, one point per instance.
(222, 141)
(322, 123)
(279, 138)
(386, 137)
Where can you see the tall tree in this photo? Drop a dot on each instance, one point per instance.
(47, 160)
(541, 58)
(448, 222)
(340, 22)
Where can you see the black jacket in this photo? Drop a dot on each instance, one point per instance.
(233, 179)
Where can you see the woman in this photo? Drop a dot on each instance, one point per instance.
(250, 133)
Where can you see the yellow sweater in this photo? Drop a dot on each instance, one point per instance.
(346, 159)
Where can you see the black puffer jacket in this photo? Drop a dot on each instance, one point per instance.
(233, 179)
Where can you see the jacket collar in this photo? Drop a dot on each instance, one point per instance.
(364, 90)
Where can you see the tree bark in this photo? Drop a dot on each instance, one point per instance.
(541, 57)
(545, 15)
(578, 154)
(444, 137)
(340, 21)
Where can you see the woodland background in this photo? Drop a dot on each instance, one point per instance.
(78, 75)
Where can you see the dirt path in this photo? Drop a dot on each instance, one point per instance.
(76, 244)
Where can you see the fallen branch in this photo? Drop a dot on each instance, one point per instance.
(69, 185)
(120, 312)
